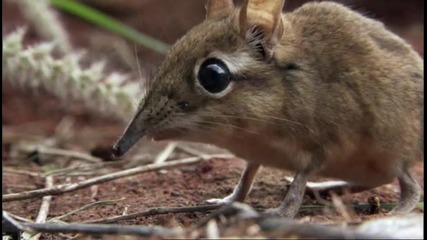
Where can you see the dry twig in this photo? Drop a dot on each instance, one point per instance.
(21, 172)
(19, 218)
(6, 216)
(60, 189)
(44, 207)
(156, 211)
(164, 155)
(87, 206)
(96, 228)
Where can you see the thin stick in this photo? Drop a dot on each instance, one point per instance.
(155, 211)
(163, 155)
(105, 202)
(21, 172)
(319, 186)
(22, 219)
(15, 223)
(60, 189)
(44, 207)
(23, 187)
(96, 228)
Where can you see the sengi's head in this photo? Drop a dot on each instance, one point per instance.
(214, 78)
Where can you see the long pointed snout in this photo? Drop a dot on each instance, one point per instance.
(148, 117)
(132, 134)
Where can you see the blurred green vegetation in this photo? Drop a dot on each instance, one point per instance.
(102, 20)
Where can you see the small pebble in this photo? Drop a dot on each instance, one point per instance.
(175, 194)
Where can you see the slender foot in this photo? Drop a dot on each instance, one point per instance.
(293, 200)
(243, 187)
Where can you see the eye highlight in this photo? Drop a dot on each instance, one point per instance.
(184, 105)
(214, 76)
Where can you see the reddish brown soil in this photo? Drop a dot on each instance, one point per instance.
(25, 115)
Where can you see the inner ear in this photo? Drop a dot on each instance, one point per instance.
(260, 22)
(255, 37)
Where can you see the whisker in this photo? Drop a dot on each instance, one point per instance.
(267, 119)
(221, 124)
(194, 126)
(137, 62)
(229, 125)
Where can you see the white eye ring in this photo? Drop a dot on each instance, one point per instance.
(236, 63)
(213, 67)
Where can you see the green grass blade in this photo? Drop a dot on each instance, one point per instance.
(96, 17)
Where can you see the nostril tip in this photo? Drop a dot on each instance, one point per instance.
(117, 152)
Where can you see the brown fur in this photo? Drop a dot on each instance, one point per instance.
(338, 93)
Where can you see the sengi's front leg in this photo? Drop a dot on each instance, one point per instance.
(243, 187)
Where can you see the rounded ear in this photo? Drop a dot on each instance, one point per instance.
(215, 8)
(260, 22)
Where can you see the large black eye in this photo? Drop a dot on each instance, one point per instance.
(214, 75)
